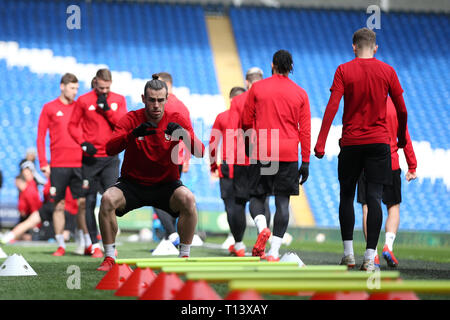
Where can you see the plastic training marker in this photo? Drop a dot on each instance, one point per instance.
(339, 295)
(273, 267)
(115, 277)
(16, 265)
(137, 283)
(423, 286)
(393, 296)
(196, 290)
(264, 275)
(164, 287)
(243, 295)
(133, 261)
(159, 265)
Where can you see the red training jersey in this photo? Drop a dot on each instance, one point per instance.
(174, 104)
(365, 85)
(278, 103)
(29, 199)
(148, 160)
(219, 133)
(97, 125)
(391, 118)
(64, 151)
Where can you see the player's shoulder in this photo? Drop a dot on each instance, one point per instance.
(51, 104)
(114, 95)
(86, 96)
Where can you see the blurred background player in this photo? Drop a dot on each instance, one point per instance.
(236, 218)
(149, 176)
(278, 106)
(243, 167)
(98, 111)
(64, 168)
(365, 83)
(174, 104)
(392, 194)
(30, 162)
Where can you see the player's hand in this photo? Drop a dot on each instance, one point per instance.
(303, 172)
(318, 154)
(144, 129)
(46, 171)
(214, 170)
(171, 127)
(185, 167)
(101, 102)
(411, 176)
(89, 148)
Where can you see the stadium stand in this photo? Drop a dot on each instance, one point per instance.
(146, 38)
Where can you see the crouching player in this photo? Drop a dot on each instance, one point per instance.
(149, 173)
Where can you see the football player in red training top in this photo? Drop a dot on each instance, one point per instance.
(149, 173)
(220, 132)
(365, 83)
(392, 194)
(278, 109)
(97, 111)
(65, 165)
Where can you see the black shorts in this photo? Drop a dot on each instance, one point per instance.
(61, 178)
(70, 221)
(374, 159)
(392, 194)
(137, 195)
(99, 173)
(284, 180)
(241, 181)
(46, 211)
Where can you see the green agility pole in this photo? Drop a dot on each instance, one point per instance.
(265, 275)
(369, 285)
(224, 265)
(133, 261)
(186, 268)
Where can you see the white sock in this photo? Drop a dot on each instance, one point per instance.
(348, 247)
(60, 240)
(185, 250)
(369, 254)
(239, 245)
(80, 237)
(87, 240)
(173, 236)
(8, 237)
(275, 246)
(260, 222)
(390, 237)
(110, 250)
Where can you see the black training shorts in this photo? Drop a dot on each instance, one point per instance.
(99, 173)
(392, 194)
(138, 195)
(61, 178)
(282, 179)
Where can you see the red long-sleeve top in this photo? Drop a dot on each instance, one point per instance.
(278, 103)
(29, 199)
(219, 134)
(365, 85)
(391, 118)
(97, 125)
(151, 159)
(64, 151)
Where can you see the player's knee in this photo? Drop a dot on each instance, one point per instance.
(187, 201)
(108, 202)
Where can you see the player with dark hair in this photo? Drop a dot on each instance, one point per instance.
(174, 104)
(65, 167)
(365, 83)
(225, 172)
(98, 111)
(149, 173)
(278, 110)
(244, 170)
(392, 194)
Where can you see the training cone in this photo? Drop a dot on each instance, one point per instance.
(16, 265)
(3, 254)
(196, 290)
(243, 295)
(137, 283)
(196, 241)
(165, 248)
(115, 277)
(164, 287)
(342, 295)
(393, 296)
